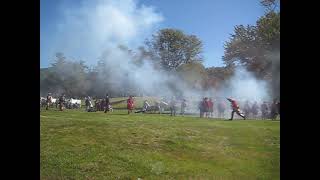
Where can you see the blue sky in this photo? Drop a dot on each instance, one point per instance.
(211, 20)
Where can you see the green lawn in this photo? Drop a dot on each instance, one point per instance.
(81, 145)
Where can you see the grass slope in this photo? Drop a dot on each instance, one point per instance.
(81, 145)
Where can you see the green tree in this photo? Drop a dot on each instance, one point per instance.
(257, 47)
(246, 48)
(268, 30)
(171, 48)
(66, 77)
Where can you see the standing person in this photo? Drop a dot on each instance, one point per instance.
(264, 110)
(210, 103)
(206, 107)
(130, 104)
(255, 109)
(183, 106)
(102, 105)
(61, 102)
(101, 101)
(97, 104)
(49, 100)
(87, 102)
(235, 109)
(275, 107)
(106, 103)
(221, 108)
(173, 107)
(201, 107)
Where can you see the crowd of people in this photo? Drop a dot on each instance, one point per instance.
(263, 111)
(208, 107)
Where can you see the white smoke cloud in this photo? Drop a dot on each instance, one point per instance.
(87, 30)
(145, 78)
(244, 86)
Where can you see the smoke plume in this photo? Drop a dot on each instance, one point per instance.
(85, 31)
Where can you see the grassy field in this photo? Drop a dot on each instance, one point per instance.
(81, 145)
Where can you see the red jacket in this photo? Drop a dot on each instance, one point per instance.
(130, 103)
(234, 104)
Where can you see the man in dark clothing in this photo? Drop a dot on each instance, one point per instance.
(88, 103)
(101, 105)
(106, 103)
(275, 109)
(49, 101)
(264, 110)
(61, 102)
(201, 108)
(97, 104)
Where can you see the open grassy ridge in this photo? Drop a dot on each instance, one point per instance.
(81, 145)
